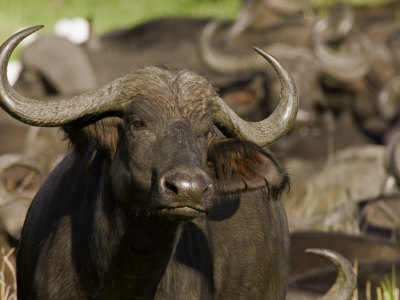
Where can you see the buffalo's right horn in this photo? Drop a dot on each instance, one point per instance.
(53, 113)
(346, 280)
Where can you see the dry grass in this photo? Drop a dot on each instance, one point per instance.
(387, 291)
(8, 283)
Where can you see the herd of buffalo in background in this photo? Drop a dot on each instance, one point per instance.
(343, 153)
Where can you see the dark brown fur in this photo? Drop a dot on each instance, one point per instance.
(102, 227)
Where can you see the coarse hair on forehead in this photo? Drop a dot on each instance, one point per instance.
(169, 91)
(172, 85)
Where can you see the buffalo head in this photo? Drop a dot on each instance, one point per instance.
(165, 137)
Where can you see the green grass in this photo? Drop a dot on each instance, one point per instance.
(351, 2)
(106, 14)
(388, 290)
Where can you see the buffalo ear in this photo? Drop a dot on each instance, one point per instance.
(103, 134)
(237, 166)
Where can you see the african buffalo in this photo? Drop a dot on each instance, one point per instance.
(260, 14)
(290, 43)
(328, 192)
(346, 275)
(20, 178)
(153, 201)
(375, 258)
(166, 193)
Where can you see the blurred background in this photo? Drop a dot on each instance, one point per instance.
(15, 14)
(343, 153)
(106, 15)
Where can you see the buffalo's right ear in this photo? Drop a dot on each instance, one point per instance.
(103, 134)
(237, 166)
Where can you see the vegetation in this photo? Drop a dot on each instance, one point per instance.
(105, 14)
(8, 286)
(15, 14)
(388, 289)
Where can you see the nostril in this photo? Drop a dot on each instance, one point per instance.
(171, 186)
(187, 186)
(203, 184)
(207, 189)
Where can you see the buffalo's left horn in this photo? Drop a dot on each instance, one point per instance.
(269, 130)
(53, 113)
(346, 281)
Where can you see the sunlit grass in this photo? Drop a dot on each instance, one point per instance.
(388, 289)
(15, 14)
(7, 289)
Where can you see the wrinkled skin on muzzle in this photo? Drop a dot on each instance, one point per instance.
(165, 161)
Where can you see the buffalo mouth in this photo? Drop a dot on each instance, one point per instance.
(182, 212)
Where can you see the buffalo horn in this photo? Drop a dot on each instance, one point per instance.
(58, 112)
(251, 10)
(343, 67)
(224, 63)
(110, 98)
(389, 99)
(269, 130)
(392, 159)
(8, 161)
(287, 7)
(346, 280)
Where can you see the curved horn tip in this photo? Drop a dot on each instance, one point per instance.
(277, 65)
(330, 255)
(33, 28)
(28, 31)
(346, 281)
(12, 42)
(264, 54)
(317, 251)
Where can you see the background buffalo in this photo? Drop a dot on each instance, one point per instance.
(342, 152)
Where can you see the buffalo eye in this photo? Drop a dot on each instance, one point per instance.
(136, 122)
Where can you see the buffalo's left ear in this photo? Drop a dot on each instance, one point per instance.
(237, 166)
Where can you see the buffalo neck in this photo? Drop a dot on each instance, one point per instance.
(134, 247)
(141, 258)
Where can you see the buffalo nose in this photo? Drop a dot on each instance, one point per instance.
(188, 187)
